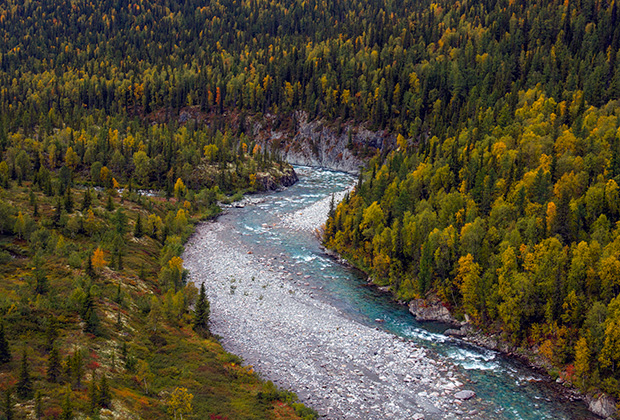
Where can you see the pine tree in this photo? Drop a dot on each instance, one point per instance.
(87, 201)
(77, 368)
(53, 365)
(24, 384)
(67, 407)
(8, 406)
(138, 231)
(57, 213)
(93, 397)
(5, 351)
(38, 405)
(105, 397)
(201, 314)
(68, 201)
(110, 205)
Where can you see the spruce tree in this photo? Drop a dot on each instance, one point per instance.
(110, 204)
(68, 200)
(93, 396)
(38, 405)
(67, 407)
(57, 213)
(5, 351)
(201, 314)
(105, 397)
(24, 383)
(77, 368)
(138, 231)
(53, 365)
(7, 406)
(87, 201)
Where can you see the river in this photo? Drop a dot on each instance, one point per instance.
(315, 327)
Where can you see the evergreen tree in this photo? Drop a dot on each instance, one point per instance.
(87, 201)
(67, 407)
(138, 230)
(93, 396)
(5, 351)
(77, 368)
(7, 406)
(110, 204)
(90, 270)
(201, 313)
(57, 213)
(68, 200)
(24, 383)
(105, 396)
(53, 365)
(38, 405)
(51, 334)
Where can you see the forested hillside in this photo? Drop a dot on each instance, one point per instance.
(502, 196)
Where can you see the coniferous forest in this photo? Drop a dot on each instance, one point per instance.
(123, 123)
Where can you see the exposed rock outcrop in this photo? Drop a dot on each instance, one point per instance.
(270, 181)
(317, 143)
(431, 309)
(603, 406)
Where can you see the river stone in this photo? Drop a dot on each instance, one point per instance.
(465, 394)
(603, 406)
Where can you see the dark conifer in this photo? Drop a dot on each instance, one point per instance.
(105, 397)
(24, 383)
(38, 405)
(7, 406)
(53, 365)
(67, 407)
(138, 231)
(5, 351)
(201, 314)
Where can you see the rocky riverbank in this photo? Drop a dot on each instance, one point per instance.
(343, 369)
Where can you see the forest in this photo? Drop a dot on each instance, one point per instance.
(501, 195)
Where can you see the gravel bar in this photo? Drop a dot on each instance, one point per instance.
(339, 367)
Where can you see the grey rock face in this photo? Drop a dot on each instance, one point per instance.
(603, 406)
(431, 310)
(314, 143)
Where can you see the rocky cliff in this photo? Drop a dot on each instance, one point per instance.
(342, 147)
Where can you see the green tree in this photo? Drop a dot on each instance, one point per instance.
(201, 313)
(38, 405)
(24, 383)
(67, 406)
(5, 350)
(105, 396)
(7, 406)
(53, 365)
(138, 230)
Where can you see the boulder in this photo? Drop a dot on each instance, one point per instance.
(431, 309)
(464, 394)
(603, 406)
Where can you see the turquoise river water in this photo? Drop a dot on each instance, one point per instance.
(508, 389)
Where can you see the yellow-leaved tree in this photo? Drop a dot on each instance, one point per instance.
(180, 403)
(99, 258)
(179, 189)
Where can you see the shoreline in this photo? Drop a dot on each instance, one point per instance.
(470, 334)
(336, 365)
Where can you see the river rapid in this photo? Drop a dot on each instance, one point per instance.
(313, 325)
